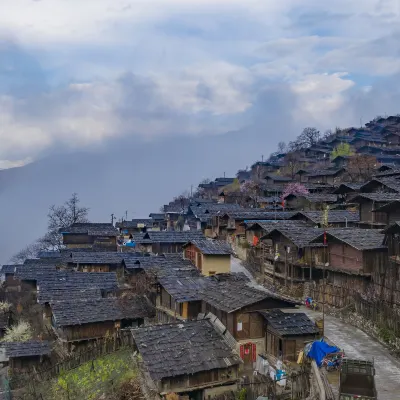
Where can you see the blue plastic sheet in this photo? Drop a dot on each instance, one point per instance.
(319, 350)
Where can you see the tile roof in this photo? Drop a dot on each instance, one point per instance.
(255, 214)
(51, 295)
(33, 272)
(183, 348)
(355, 187)
(278, 178)
(210, 246)
(380, 197)
(27, 349)
(334, 216)
(97, 257)
(9, 269)
(172, 236)
(321, 197)
(289, 324)
(325, 172)
(134, 223)
(388, 207)
(360, 239)
(390, 172)
(273, 216)
(77, 312)
(269, 226)
(390, 182)
(91, 229)
(393, 228)
(157, 216)
(300, 236)
(226, 292)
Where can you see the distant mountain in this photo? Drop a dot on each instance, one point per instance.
(138, 177)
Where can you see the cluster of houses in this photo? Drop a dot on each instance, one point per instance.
(167, 278)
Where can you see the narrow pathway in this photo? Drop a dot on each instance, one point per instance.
(356, 344)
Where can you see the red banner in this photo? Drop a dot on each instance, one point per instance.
(254, 353)
(242, 352)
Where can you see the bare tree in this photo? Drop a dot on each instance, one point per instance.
(361, 167)
(282, 147)
(58, 217)
(309, 137)
(292, 163)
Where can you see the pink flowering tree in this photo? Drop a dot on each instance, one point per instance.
(294, 188)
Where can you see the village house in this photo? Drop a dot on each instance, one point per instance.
(209, 256)
(209, 366)
(287, 333)
(336, 218)
(90, 235)
(310, 201)
(23, 357)
(277, 180)
(293, 254)
(369, 204)
(381, 184)
(165, 241)
(354, 258)
(127, 228)
(159, 222)
(8, 275)
(328, 176)
(392, 211)
(88, 319)
(228, 296)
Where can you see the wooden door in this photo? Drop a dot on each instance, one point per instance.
(290, 350)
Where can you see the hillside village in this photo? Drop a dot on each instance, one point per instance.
(219, 294)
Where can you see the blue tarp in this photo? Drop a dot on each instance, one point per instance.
(319, 350)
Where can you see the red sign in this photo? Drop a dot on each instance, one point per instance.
(254, 348)
(242, 352)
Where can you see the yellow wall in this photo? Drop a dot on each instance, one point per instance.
(217, 264)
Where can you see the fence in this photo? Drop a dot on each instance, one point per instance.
(99, 348)
(379, 313)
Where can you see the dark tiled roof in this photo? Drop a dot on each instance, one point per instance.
(390, 172)
(325, 172)
(334, 216)
(380, 197)
(98, 257)
(79, 312)
(134, 223)
(34, 272)
(278, 178)
(390, 182)
(9, 269)
(289, 324)
(355, 187)
(269, 226)
(43, 262)
(321, 197)
(183, 348)
(209, 246)
(299, 235)
(272, 216)
(249, 214)
(49, 254)
(360, 239)
(52, 284)
(91, 229)
(157, 216)
(392, 206)
(172, 236)
(50, 295)
(27, 349)
(226, 292)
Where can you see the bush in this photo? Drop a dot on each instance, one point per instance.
(4, 306)
(22, 332)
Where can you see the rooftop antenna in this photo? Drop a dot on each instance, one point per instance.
(126, 215)
(224, 174)
(112, 218)
(262, 157)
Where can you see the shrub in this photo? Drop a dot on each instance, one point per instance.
(4, 306)
(21, 332)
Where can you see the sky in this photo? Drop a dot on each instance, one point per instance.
(130, 102)
(78, 74)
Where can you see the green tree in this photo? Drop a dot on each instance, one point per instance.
(343, 149)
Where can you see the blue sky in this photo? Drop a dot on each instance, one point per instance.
(77, 74)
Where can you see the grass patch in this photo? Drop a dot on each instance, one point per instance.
(92, 379)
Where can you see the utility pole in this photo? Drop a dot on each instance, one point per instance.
(126, 215)
(262, 157)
